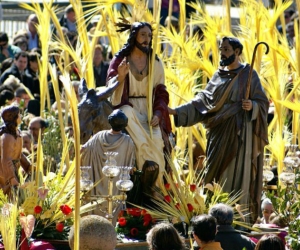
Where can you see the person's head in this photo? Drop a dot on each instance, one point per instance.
(54, 106)
(32, 21)
(288, 14)
(143, 39)
(95, 233)
(230, 50)
(13, 82)
(27, 140)
(204, 228)
(95, 20)
(35, 125)
(164, 236)
(6, 95)
(267, 209)
(21, 41)
(33, 58)
(70, 13)
(270, 242)
(21, 94)
(21, 60)
(3, 40)
(117, 120)
(290, 29)
(33, 107)
(140, 37)
(98, 55)
(6, 64)
(223, 213)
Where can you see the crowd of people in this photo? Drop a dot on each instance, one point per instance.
(127, 73)
(212, 231)
(20, 59)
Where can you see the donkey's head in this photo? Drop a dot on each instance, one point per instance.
(93, 111)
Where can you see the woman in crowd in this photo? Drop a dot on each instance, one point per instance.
(163, 236)
(270, 242)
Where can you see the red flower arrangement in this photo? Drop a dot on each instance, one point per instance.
(51, 219)
(66, 209)
(134, 223)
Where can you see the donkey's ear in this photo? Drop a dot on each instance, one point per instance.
(82, 89)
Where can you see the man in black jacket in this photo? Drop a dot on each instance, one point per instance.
(229, 238)
(18, 70)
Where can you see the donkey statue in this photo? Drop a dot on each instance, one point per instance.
(93, 110)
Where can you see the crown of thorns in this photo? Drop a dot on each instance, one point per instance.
(124, 24)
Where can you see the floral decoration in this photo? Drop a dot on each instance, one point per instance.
(47, 215)
(134, 223)
(182, 197)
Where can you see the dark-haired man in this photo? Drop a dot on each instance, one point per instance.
(18, 69)
(204, 232)
(236, 126)
(130, 68)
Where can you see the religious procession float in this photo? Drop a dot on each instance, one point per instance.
(56, 193)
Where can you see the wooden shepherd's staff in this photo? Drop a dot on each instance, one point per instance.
(251, 67)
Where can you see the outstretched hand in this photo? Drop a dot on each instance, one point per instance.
(123, 70)
(172, 111)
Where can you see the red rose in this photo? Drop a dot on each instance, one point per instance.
(38, 209)
(134, 231)
(122, 221)
(136, 212)
(130, 211)
(190, 207)
(144, 211)
(66, 209)
(193, 187)
(168, 198)
(60, 226)
(147, 218)
(22, 214)
(167, 186)
(177, 205)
